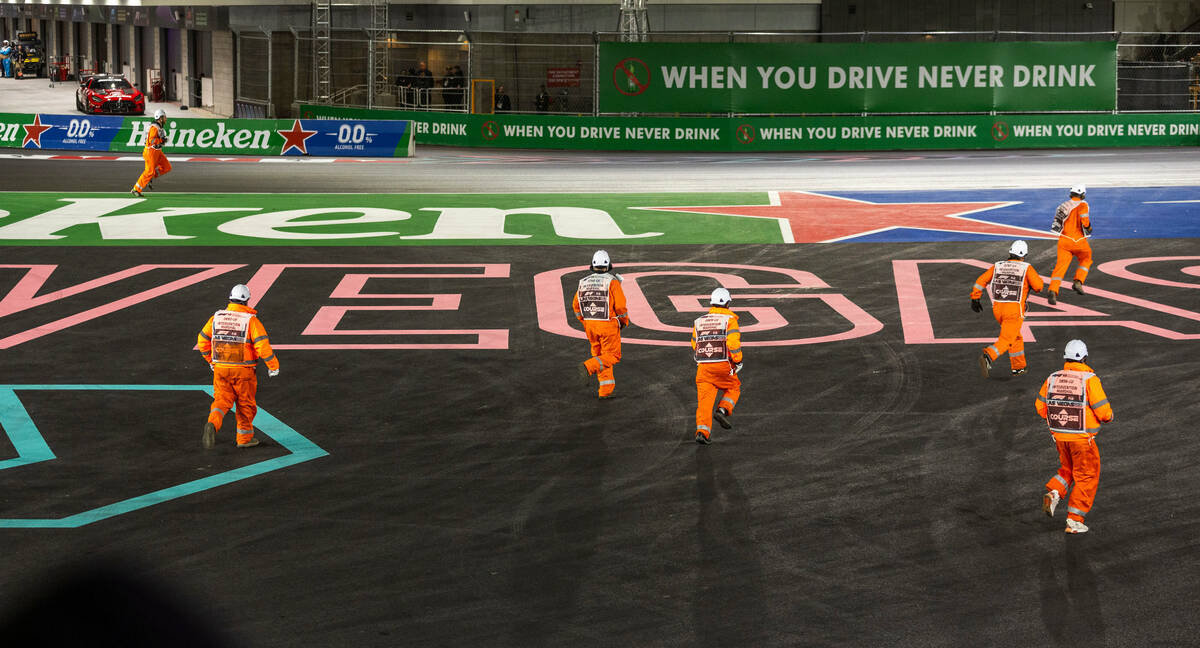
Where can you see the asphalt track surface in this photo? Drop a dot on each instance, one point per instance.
(873, 492)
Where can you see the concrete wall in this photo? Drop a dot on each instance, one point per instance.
(185, 65)
(550, 18)
(129, 56)
(68, 47)
(1157, 15)
(828, 15)
(222, 72)
(84, 51)
(966, 15)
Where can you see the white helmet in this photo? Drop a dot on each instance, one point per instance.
(720, 297)
(1019, 248)
(600, 260)
(159, 114)
(240, 294)
(1075, 350)
(1078, 190)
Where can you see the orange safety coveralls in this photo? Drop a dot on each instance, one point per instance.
(1008, 283)
(156, 162)
(718, 345)
(1070, 219)
(599, 305)
(233, 341)
(1074, 405)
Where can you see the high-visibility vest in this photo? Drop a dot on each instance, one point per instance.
(1008, 281)
(1063, 212)
(594, 297)
(1067, 402)
(155, 137)
(231, 334)
(712, 332)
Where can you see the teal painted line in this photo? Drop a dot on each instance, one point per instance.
(205, 388)
(297, 443)
(299, 447)
(28, 442)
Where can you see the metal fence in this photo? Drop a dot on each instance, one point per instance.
(544, 72)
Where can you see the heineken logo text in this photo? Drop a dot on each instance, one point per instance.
(220, 137)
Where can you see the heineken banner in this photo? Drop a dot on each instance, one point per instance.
(263, 137)
(753, 134)
(856, 77)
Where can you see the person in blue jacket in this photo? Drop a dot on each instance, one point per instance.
(6, 59)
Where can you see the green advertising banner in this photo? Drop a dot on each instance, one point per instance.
(756, 134)
(767, 78)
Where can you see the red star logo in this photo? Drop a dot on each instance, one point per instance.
(816, 218)
(33, 132)
(295, 138)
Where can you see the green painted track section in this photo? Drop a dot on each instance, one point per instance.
(189, 219)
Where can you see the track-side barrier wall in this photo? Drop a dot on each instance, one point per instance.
(755, 134)
(263, 137)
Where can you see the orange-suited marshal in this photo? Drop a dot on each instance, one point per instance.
(1009, 283)
(599, 305)
(232, 342)
(1074, 405)
(156, 163)
(1073, 225)
(718, 353)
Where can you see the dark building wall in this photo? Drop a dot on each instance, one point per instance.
(966, 15)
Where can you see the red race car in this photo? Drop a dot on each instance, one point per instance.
(109, 93)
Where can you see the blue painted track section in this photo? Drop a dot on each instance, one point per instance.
(1116, 212)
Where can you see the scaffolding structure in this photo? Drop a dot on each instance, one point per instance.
(380, 68)
(633, 24)
(322, 25)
